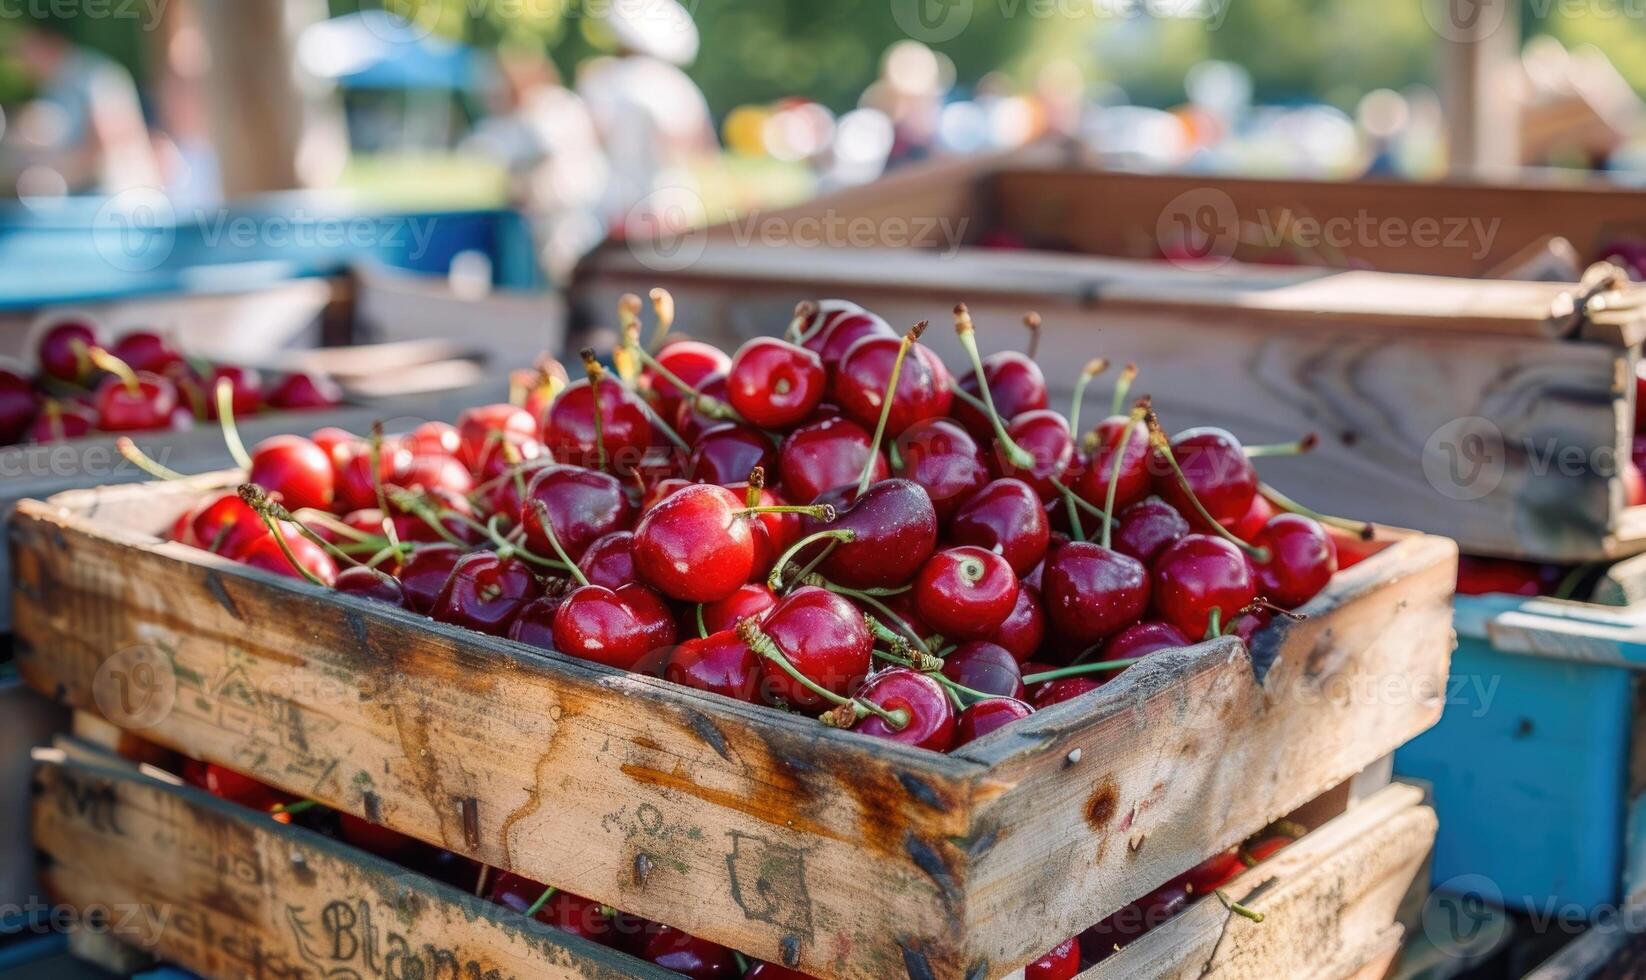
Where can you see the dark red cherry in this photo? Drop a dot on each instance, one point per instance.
(1218, 472)
(844, 330)
(481, 430)
(1134, 482)
(940, 456)
(534, 625)
(58, 420)
(62, 350)
(721, 663)
(144, 350)
(694, 546)
(1212, 873)
(609, 561)
(245, 389)
(1063, 689)
(894, 531)
(369, 583)
(1147, 528)
(485, 592)
(626, 429)
(17, 408)
(1025, 626)
(689, 360)
(965, 592)
(1091, 591)
(693, 416)
(375, 838)
(824, 455)
(991, 714)
(824, 637)
(265, 553)
(1197, 576)
(865, 374)
(1016, 384)
(1257, 515)
(295, 470)
(986, 668)
(928, 716)
(616, 627)
(425, 573)
(1142, 639)
(774, 384)
(687, 955)
(1005, 517)
(1062, 963)
(752, 600)
(304, 391)
(726, 454)
(146, 403)
(1044, 435)
(1302, 559)
(582, 505)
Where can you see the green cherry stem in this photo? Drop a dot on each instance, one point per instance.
(1076, 671)
(1363, 529)
(707, 404)
(113, 365)
(285, 549)
(1163, 446)
(1093, 368)
(225, 419)
(963, 328)
(765, 647)
(1296, 448)
(596, 374)
(294, 808)
(258, 499)
(702, 627)
(820, 512)
(542, 512)
(1122, 388)
(1137, 417)
(909, 340)
(128, 450)
(542, 900)
(1236, 907)
(775, 579)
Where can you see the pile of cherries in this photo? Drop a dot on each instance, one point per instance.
(140, 383)
(829, 524)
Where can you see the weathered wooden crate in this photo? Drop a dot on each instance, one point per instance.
(243, 895)
(848, 856)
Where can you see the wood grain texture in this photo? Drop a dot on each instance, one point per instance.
(227, 892)
(849, 856)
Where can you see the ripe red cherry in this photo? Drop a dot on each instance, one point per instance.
(354, 484)
(752, 600)
(844, 329)
(62, 350)
(1142, 639)
(303, 391)
(1062, 963)
(721, 663)
(823, 637)
(336, 442)
(965, 592)
(1005, 517)
(1044, 435)
(726, 454)
(57, 421)
(144, 404)
(564, 911)
(434, 439)
(264, 553)
(1257, 515)
(688, 955)
(1218, 472)
(695, 546)
(1134, 483)
(294, 469)
(626, 429)
(775, 384)
(1016, 384)
(1198, 576)
(1147, 528)
(435, 473)
(1302, 559)
(865, 373)
(824, 455)
(609, 561)
(1025, 626)
(929, 716)
(940, 456)
(17, 407)
(424, 574)
(144, 350)
(1091, 591)
(369, 583)
(483, 429)
(986, 668)
(534, 625)
(991, 714)
(582, 505)
(224, 525)
(693, 417)
(894, 531)
(245, 389)
(689, 360)
(616, 627)
(485, 592)
(1064, 689)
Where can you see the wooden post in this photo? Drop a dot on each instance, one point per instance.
(1480, 50)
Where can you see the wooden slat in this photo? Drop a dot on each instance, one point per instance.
(228, 892)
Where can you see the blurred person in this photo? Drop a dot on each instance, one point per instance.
(84, 131)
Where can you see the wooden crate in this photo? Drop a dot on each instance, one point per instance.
(767, 832)
(243, 895)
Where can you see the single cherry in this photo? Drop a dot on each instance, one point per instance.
(1062, 963)
(1005, 517)
(965, 592)
(265, 553)
(1044, 435)
(892, 531)
(1142, 639)
(821, 635)
(58, 420)
(482, 430)
(294, 469)
(609, 433)
(369, 583)
(304, 391)
(721, 663)
(1091, 591)
(1015, 382)
(1256, 516)
(616, 627)
(1201, 582)
(138, 403)
(695, 545)
(245, 389)
(991, 714)
(694, 416)
(1217, 470)
(864, 377)
(824, 455)
(1064, 689)
(1024, 628)
(752, 600)
(774, 384)
(425, 573)
(690, 361)
(1301, 559)
(485, 592)
(920, 702)
(62, 351)
(687, 955)
(224, 525)
(582, 504)
(534, 625)
(844, 329)
(1147, 528)
(609, 561)
(145, 350)
(1111, 446)
(940, 456)
(986, 668)
(726, 454)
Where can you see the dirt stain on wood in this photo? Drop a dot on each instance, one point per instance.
(1102, 805)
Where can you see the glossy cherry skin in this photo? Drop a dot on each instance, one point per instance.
(582, 504)
(61, 351)
(245, 389)
(17, 407)
(1044, 435)
(616, 627)
(689, 360)
(265, 553)
(57, 421)
(1257, 515)
(354, 484)
(965, 593)
(773, 532)
(144, 350)
(1197, 575)
(1015, 383)
(824, 637)
(845, 329)
(304, 391)
(752, 600)
(1005, 517)
(774, 384)
(480, 430)
(369, 583)
(294, 469)
(534, 625)
(436, 473)
(824, 455)
(434, 438)
(728, 453)
(564, 911)
(1147, 528)
(1134, 481)
(986, 668)
(424, 574)
(336, 442)
(569, 426)
(1024, 628)
(224, 525)
(1302, 559)
(1218, 471)
(694, 546)
(865, 373)
(1142, 639)
(991, 714)
(692, 417)
(720, 663)
(485, 593)
(1062, 963)
(1091, 591)
(895, 532)
(931, 719)
(1064, 689)
(940, 456)
(150, 404)
(609, 561)
(1484, 576)
(688, 955)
